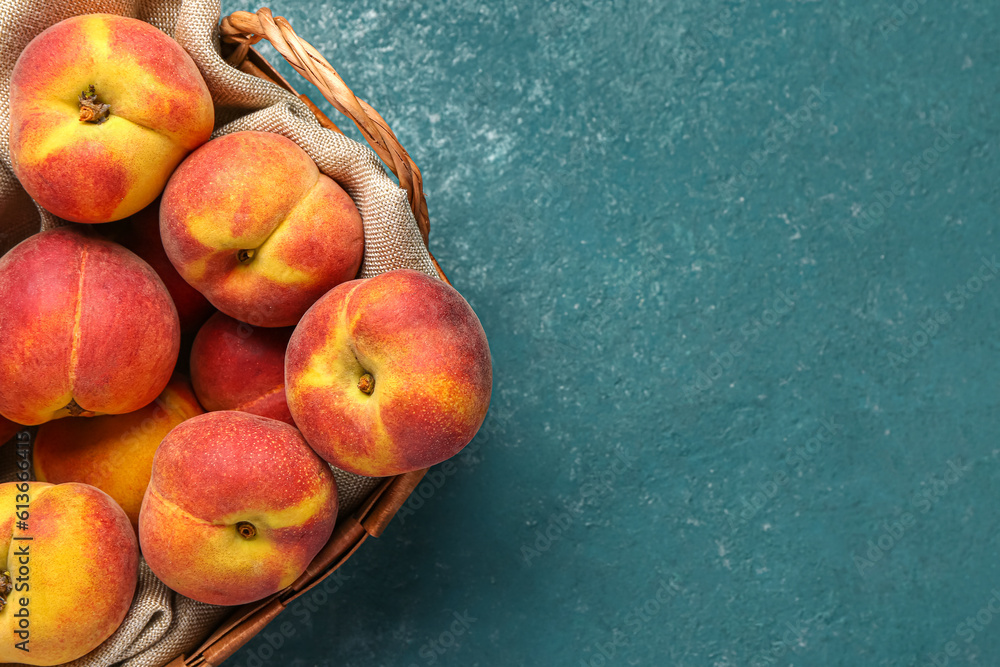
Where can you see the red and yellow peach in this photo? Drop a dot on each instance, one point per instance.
(74, 561)
(86, 328)
(237, 508)
(388, 375)
(250, 221)
(102, 109)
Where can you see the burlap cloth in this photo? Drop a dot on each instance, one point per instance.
(161, 624)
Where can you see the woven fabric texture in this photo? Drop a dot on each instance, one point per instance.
(161, 624)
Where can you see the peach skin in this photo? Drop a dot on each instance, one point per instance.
(237, 508)
(113, 452)
(140, 233)
(73, 561)
(102, 109)
(251, 223)
(388, 375)
(86, 328)
(238, 367)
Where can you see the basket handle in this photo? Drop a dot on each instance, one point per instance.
(245, 29)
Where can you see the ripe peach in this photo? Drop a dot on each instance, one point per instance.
(86, 328)
(237, 508)
(102, 109)
(113, 452)
(140, 233)
(388, 375)
(238, 367)
(251, 223)
(74, 561)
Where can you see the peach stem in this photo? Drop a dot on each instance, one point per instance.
(246, 530)
(6, 587)
(366, 384)
(92, 111)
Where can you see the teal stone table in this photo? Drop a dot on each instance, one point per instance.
(737, 262)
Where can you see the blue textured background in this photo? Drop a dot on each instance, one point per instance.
(745, 400)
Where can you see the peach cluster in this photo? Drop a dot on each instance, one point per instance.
(231, 261)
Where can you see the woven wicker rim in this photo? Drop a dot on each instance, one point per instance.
(245, 29)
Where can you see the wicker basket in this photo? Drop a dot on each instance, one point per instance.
(239, 32)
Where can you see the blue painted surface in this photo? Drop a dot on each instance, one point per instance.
(730, 361)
